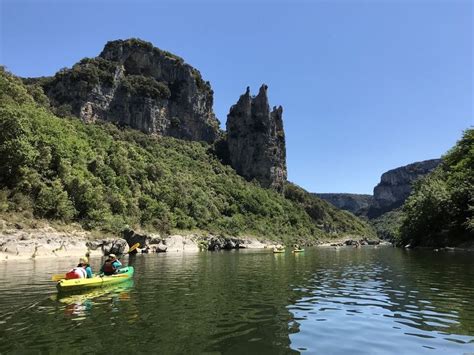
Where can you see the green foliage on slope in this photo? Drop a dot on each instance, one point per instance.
(440, 209)
(388, 224)
(105, 178)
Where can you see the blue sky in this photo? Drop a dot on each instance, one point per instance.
(366, 85)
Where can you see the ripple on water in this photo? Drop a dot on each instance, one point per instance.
(383, 309)
(353, 301)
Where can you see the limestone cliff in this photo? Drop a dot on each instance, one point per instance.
(355, 203)
(392, 191)
(256, 140)
(134, 84)
(396, 184)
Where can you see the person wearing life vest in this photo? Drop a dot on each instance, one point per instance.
(81, 271)
(84, 262)
(111, 265)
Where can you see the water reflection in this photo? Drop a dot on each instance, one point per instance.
(80, 304)
(329, 301)
(375, 299)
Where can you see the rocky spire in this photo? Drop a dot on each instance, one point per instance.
(256, 140)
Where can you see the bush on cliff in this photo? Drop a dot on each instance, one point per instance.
(388, 224)
(106, 177)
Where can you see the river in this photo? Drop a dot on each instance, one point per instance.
(327, 301)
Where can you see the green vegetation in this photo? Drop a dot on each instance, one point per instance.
(89, 72)
(145, 86)
(325, 215)
(387, 225)
(104, 178)
(440, 209)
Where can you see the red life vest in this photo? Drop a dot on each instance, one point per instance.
(76, 273)
(109, 268)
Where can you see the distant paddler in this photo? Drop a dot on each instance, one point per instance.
(297, 249)
(278, 248)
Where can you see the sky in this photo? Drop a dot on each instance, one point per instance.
(366, 86)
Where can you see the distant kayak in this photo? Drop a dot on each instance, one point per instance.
(124, 274)
(278, 251)
(297, 251)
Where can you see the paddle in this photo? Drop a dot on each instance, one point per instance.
(132, 248)
(58, 277)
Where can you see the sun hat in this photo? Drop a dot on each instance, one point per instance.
(84, 259)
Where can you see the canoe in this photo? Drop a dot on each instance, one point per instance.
(297, 251)
(278, 251)
(124, 274)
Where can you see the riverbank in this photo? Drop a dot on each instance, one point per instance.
(43, 240)
(48, 242)
(21, 241)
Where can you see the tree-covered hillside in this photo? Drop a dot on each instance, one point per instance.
(106, 177)
(439, 211)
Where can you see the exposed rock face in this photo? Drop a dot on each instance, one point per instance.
(135, 84)
(109, 246)
(256, 140)
(392, 191)
(355, 203)
(395, 186)
(192, 242)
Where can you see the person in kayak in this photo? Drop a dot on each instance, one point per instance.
(84, 263)
(111, 265)
(81, 271)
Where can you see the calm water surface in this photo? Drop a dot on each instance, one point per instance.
(325, 301)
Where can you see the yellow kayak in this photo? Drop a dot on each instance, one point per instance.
(124, 274)
(278, 251)
(297, 251)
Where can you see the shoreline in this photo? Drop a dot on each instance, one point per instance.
(48, 242)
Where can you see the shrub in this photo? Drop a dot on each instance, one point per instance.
(145, 86)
